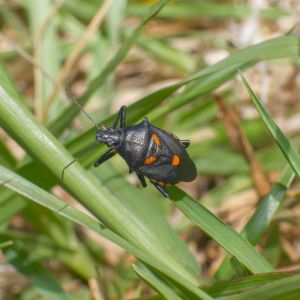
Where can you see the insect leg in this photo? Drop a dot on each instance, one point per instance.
(142, 179)
(185, 143)
(66, 167)
(161, 189)
(87, 151)
(120, 117)
(107, 155)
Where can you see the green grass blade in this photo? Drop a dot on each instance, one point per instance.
(38, 195)
(286, 148)
(261, 219)
(283, 289)
(209, 9)
(225, 236)
(229, 287)
(157, 283)
(215, 75)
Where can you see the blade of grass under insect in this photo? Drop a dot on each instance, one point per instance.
(40, 196)
(157, 283)
(224, 235)
(283, 289)
(114, 181)
(283, 143)
(101, 202)
(261, 219)
(63, 119)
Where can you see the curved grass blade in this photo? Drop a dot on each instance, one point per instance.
(215, 75)
(38, 195)
(283, 143)
(224, 235)
(261, 219)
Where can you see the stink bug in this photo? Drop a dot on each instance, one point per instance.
(148, 151)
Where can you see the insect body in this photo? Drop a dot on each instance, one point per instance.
(149, 151)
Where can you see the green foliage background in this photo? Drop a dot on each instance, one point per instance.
(130, 217)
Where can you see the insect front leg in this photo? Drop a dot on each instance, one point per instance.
(120, 117)
(107, 155)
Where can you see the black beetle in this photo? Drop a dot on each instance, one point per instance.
(149, 151)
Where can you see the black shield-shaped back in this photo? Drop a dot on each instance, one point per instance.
(164, 169)
(144, 141)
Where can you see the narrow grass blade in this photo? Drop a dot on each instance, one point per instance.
(286, 148)
(225, 236)
(230, 287)
(207, 9)
(261, 219)
(157, 283)
(283, 289)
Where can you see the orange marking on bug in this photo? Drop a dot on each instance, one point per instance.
(156, 139)
(175, 160)
(149, 160)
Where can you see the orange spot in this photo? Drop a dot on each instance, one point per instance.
(156, 139)
(175, 160)
(150, 160)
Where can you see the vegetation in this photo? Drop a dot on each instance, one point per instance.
(220, 73)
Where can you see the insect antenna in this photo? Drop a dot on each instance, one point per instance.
(78, 157)
(90, 149)
(73, 98)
